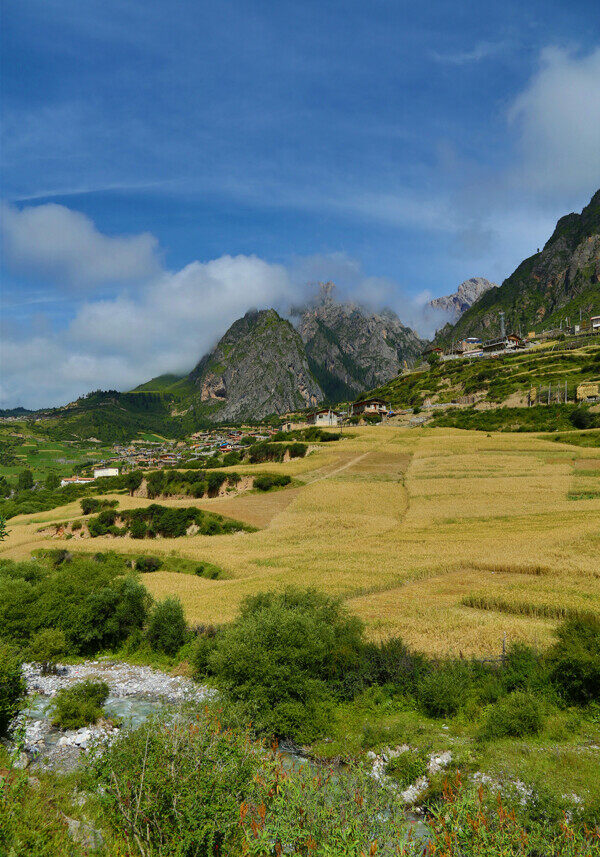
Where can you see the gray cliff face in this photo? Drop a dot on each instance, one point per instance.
(463, 298)
(351, 349)
(258, 368)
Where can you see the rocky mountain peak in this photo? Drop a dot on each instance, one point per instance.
(463, 298)
(257, 368)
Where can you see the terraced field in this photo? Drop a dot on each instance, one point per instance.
(453, 539)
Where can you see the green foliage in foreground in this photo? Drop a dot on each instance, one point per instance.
(80, 704)
(46, 646)
(286, 658)
(89, 600)
(185, 786)
(167, 631)
(12, 685)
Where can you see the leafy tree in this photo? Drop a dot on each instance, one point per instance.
(3, 530)
(12, 686)
(133, 481)
(52, 481)
(25, 480)
(575, 659)
(4, 487)
(46, 647)
(167, 630)
(285, 657)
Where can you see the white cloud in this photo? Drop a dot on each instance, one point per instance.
(65, 246)
(557, 117)
(120, 343)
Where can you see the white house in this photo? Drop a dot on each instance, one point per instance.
(324, 417)
(370, 406)
(75, 480)
(105, 471)
(595, 322)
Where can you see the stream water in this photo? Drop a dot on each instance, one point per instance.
(136, 693)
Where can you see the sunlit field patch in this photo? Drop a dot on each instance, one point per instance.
(404, 524)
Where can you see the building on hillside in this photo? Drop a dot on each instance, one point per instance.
(595, 323)
(75, 480)
(105, 471)
(471, 343)
(588, 390)
(370, 406)
(324, 417)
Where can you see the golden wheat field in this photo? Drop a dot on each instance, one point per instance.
(406, 525)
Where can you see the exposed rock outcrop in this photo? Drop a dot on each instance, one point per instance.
(259, 367)
(350, 348)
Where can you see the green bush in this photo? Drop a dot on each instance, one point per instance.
(89, 601)
(89, 505)
(12, 685)
(148, 563)
(523, 668)
(514, 716)
(80, 704)
(187, 781)
(138, 529)
(167, 630)
(25, 480)
(575, 660)
(271, 480)
(442, 691)
(46, 647)
(407, 767)
(392, 662)
(285, 657)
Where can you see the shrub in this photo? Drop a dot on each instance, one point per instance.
(522, 668)
(407, 767)
(25, 480)
(89, 505)
(443, 690)
(12, 686)
(91, 602)
(575, 659)
(52, 481)
(285, 657)
(270, 480)
(167, 630)
(582, 418)
(187, 780)
(46, 647)
(514, 716)
(80, 704)
(133, 481)
(138, 530)
(147, 563)
(392, 662)
(76, 525)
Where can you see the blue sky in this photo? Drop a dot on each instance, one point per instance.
(167, 165)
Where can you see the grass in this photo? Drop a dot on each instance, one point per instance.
(402, 523)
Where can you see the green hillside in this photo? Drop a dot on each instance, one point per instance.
(562, 281)
(495, 379)
(161, 383)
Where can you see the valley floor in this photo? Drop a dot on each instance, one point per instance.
(455, 540)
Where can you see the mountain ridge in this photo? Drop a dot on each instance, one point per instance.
(562, 280)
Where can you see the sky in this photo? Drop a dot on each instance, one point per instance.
(167, 166)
